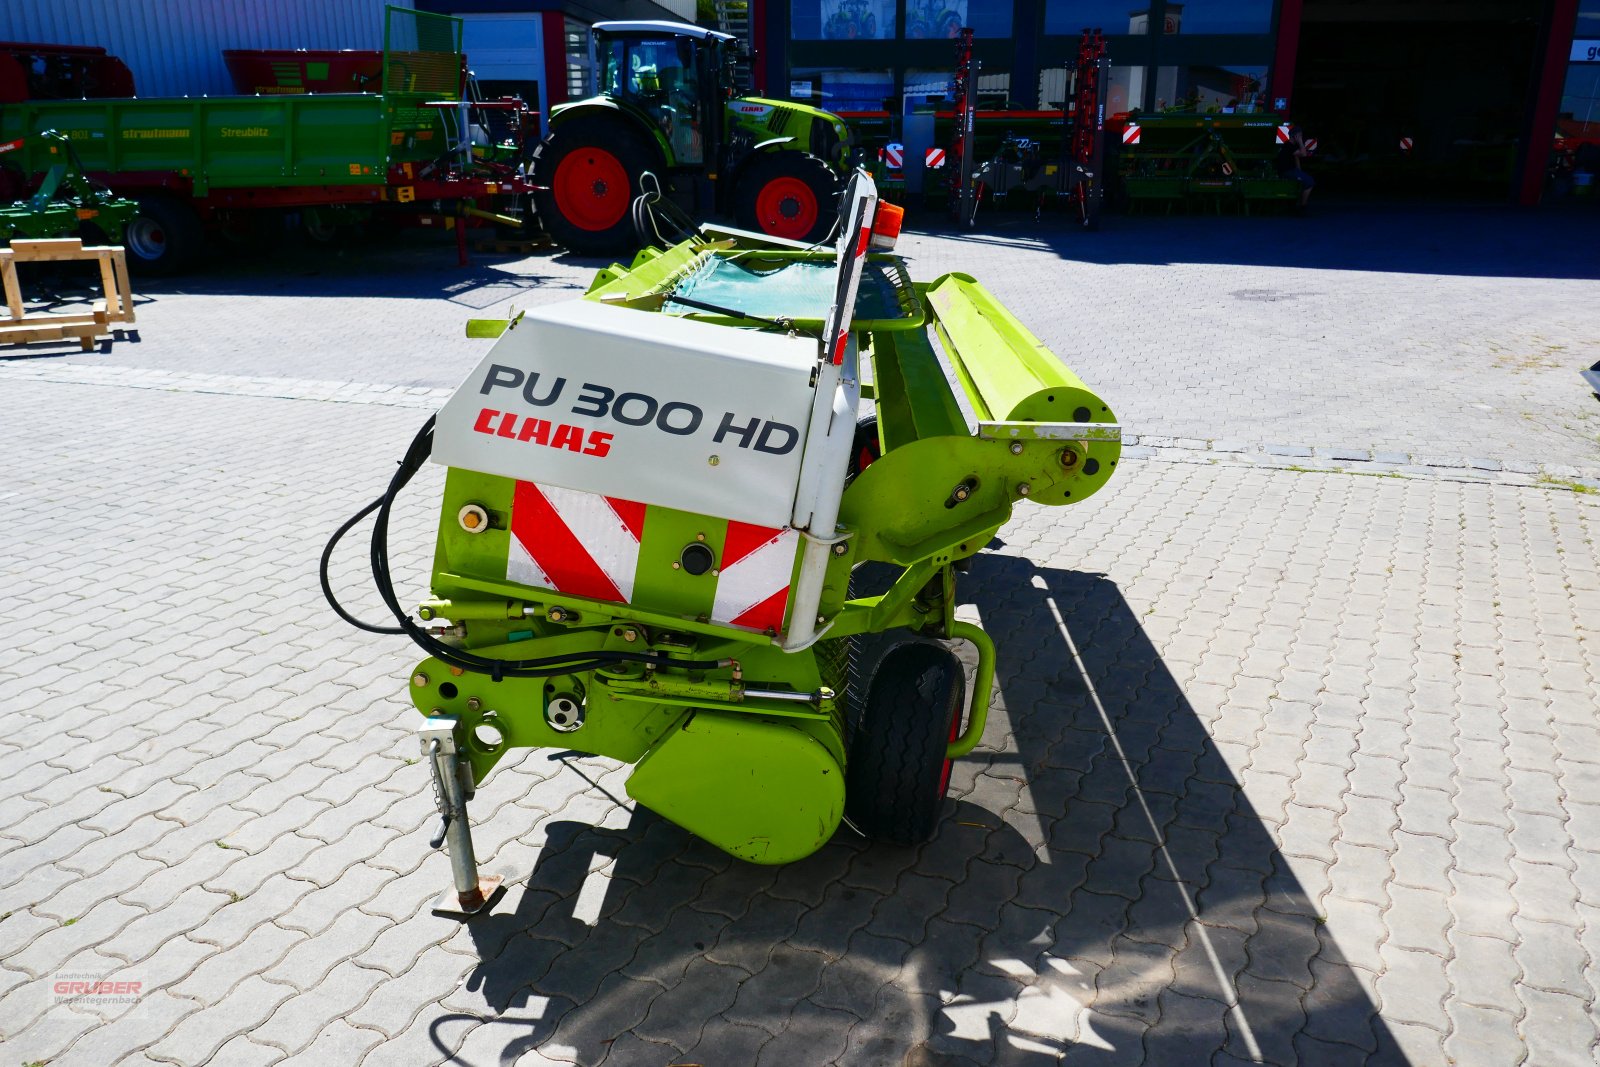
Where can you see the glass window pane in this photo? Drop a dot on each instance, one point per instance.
(841, 20)
(1072, 17)
(994, 86)
(921, 84)
(1123, 89)
(1580, 103)
(842, 90)
(1211, 88)
(1218, 16)
(943, 19)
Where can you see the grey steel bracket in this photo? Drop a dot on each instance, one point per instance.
(472, 892)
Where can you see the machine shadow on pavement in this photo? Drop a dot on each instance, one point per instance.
(1100, 890)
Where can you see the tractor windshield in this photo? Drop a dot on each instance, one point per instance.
(659, 75)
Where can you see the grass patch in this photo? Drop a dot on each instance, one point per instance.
(1552, 482)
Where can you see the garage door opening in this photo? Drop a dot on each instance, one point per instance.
(1428, 97)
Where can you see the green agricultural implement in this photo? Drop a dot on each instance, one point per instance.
(65, 203)
(661, 510)
(1210, 161)
(668, 106)
(214, 163)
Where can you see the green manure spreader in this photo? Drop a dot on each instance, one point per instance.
(661, 500)
(213, 164)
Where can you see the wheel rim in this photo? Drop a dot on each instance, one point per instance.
(786, 207)
(146, 239)
(944, 772)
(591, 189)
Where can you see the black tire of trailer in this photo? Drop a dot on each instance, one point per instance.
(165, 237)
(897, 774)
(616, 150)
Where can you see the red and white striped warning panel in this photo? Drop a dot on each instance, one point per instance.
(1130, 133)
(894, 155)
(10, 146)
(1283, 134)
(753, 588)
(1311, 144)
(587, 545)
(574, 542)
(1406, 144)
(934, 157)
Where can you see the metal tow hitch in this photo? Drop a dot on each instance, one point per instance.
(472, 893)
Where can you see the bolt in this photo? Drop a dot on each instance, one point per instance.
(1016, 448)
(676, 565)
(714, 460)
(474, 704)
(840, 549)
(821, 619)
(1023, 488)
(419, 679)
(1069, 458)
(699, 537)
(715, 572)
(630, 635)
(961, 492)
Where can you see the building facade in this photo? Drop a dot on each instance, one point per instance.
(1468, 91)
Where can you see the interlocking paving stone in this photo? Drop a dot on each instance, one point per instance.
(1361, 710)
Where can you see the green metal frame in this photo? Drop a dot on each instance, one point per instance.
(226, 142)
(1201, 157)
(65, 201)
(717, 752)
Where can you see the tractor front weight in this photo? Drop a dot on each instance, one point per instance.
(662, 507)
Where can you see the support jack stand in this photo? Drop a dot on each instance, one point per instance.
(472, 893)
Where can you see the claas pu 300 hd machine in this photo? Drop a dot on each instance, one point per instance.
(655, 499)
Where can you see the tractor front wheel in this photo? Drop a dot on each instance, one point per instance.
(898, 774)
(590, 168)
(788, 194)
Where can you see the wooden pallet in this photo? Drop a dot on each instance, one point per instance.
(24, 327)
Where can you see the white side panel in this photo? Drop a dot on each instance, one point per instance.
(641, 406)
(174, 47)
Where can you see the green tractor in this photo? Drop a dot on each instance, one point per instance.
(667, 105)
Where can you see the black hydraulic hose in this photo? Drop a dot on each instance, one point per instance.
(327, 588)
(541, 667)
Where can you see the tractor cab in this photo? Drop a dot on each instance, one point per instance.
(677, 75)
(666, 106)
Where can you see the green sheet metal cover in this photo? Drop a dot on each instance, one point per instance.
(797, 290)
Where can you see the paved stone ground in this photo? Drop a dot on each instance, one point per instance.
(1286, 767)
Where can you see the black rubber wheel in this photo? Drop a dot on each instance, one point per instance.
(864, 449)
(898, 775)
(788, 194)
(165, 237)
(590, 167)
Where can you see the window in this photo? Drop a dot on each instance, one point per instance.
(843, 90)
(1218, 16)
(661, 78)
(841, 20)
(577, 49)
(1211, 88)
(943, 19)
(1071, 17)
(1120, 95)
(1580, 103)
